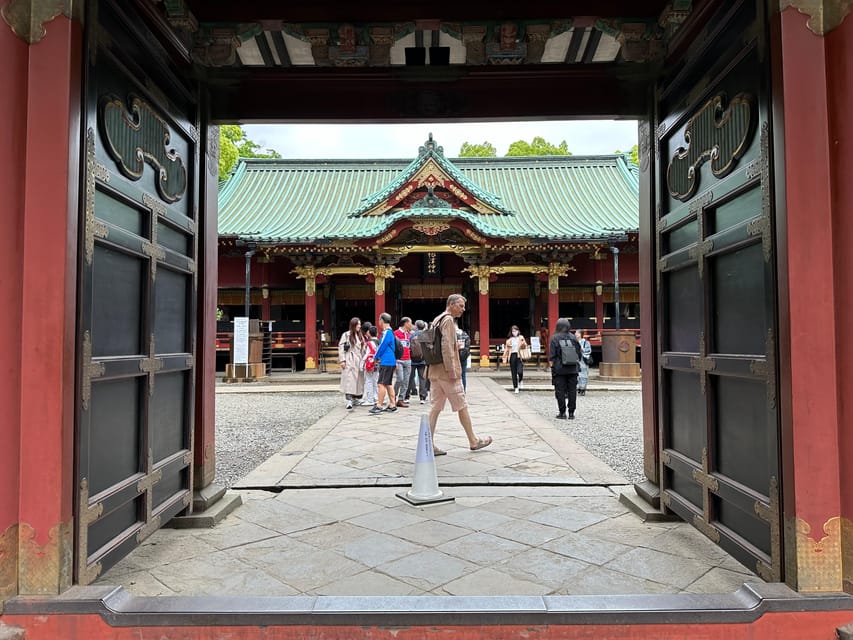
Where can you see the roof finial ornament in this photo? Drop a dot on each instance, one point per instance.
(430, 147)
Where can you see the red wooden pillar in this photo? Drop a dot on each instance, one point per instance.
(13, 112)
(204, 430)
(483, 312)
(555, 270)
(813, 81)
(378, 302)
(311, 353)
(48, 252)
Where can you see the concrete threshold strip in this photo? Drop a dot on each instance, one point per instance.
(666, 612)
(406, 482)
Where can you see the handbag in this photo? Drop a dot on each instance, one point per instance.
(524, 352)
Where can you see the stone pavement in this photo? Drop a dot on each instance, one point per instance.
(534, 514)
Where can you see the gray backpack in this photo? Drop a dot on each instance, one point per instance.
(568, 353)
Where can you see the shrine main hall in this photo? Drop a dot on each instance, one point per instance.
(526, 239)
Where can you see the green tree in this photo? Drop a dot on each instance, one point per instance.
(484, 150)
(538, 147)
(234, 144)
(633, 154)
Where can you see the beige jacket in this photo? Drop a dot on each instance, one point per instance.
(450, 368)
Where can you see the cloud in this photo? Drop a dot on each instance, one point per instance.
(312, 141)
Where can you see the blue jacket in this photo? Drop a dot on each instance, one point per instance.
(385, 352)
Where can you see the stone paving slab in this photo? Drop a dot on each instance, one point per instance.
(356, 448)
(534, 514)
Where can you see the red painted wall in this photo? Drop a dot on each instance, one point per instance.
(839, 56)
(819, 625)
(810, 313)
(46, 366)
(13, 105)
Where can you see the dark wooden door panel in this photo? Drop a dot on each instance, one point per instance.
(137, 309)
(716, 307)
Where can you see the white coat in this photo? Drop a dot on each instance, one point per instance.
(352, 373)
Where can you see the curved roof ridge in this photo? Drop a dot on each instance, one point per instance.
(430, 151)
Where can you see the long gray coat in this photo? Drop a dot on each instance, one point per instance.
(352, 375)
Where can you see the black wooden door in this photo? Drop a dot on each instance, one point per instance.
(137, 292)
(717, 341)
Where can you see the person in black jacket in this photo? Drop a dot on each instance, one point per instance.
(564, 356)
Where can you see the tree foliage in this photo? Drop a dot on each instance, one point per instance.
(483, 150)
(538, 147)
(234, 144)
(633, 154)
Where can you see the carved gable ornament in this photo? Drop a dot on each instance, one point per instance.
(714, 134)
(138, 135)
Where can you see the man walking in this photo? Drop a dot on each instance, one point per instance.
(387, 364)
(404, 364)
(445, 377)
(564, 355)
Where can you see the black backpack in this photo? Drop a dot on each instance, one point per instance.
(398, 348)
(429, 343)
(568, 353)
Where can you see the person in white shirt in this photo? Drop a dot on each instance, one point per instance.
(512, 355)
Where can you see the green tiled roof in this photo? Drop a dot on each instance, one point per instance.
(546, 197)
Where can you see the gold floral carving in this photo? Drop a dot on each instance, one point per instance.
(310, 363)
(482, 273)
(381, 272)
(819, 562)
(555, 271)
(93, 227)
(90, 370)
(824, 15)
(44, 569)
(88, 513)
(28, 17)
(9, 562)
(309, 274)
(430, 228)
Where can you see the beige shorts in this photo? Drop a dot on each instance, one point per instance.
(443, 390)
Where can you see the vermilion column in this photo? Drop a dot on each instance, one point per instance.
(815, 100)
(555, 270)
(311, 353)
(48, 253)
(13, 112)
(378, 302)
(483, 308)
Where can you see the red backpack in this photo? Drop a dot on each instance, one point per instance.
(370, 361)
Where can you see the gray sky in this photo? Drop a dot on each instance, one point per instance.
(584, 137)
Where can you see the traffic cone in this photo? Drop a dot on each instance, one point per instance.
(425, 479)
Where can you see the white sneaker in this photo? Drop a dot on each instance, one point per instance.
(423, 401)
(521, 384)
(349, 405)
(516, 389)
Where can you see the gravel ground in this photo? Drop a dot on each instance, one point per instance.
(250, 427)
(609, 424)
(253, 426)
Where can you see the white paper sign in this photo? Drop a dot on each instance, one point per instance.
(535, 346)
(241, 341)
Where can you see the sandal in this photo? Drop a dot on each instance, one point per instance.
(482, 444)
(438, 452)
